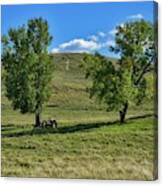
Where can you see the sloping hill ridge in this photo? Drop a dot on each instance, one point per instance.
(69, 83)
(69, 99)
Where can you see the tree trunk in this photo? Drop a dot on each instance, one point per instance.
(123, 113)
(37, 120)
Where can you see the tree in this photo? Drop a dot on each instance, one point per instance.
(28, 66)
(123, 82)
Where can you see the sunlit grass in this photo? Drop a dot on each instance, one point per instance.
(106, 152)
(89, 143)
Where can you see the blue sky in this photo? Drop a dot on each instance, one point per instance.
(80, 27)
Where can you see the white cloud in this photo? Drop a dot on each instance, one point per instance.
(113, 32)
(122, 24)
(108, 43)
(101, 34)
(136, 16)
(94, 42)
(93, 38)
(77, 45)
(55, 50)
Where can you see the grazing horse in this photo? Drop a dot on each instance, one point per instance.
(49, 123)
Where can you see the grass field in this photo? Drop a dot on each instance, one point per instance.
(89, 143)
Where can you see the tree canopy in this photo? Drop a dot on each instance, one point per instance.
(28, 66)
(118, 84)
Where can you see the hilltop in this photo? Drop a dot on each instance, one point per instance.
(69, 83)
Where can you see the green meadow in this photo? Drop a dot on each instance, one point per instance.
(89, 142)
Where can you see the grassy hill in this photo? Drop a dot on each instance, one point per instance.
(69, 102)
(86, 144)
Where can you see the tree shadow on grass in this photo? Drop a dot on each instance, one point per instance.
(66, 129)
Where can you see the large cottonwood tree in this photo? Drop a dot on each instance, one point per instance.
(28, 66)
(119, 83)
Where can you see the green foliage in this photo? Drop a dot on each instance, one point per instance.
(125, 82)
(27, 65)
(136, 46)
(110, 84)
(88, 142)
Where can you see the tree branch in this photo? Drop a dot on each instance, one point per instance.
(142, 73)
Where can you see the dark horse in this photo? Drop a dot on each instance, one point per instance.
(51, 123)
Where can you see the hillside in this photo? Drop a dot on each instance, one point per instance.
(68, 84)
(69, 99)
(89, 142)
